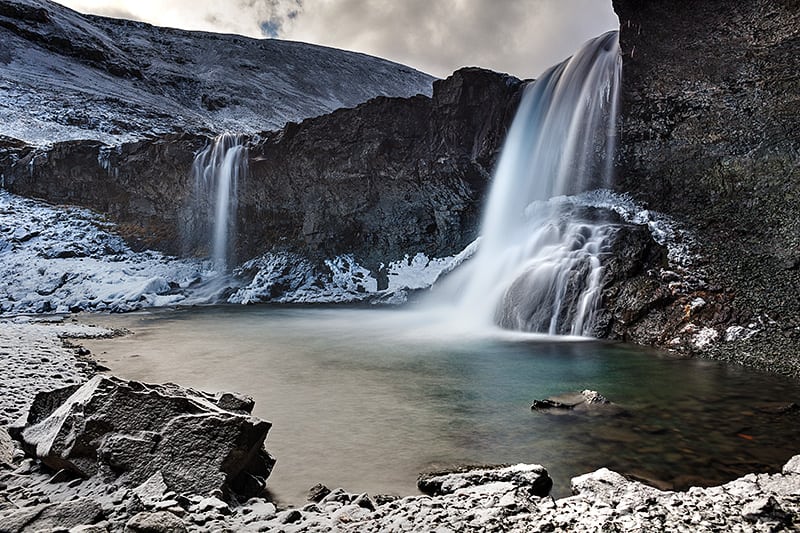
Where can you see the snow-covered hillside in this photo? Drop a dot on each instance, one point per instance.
(67, 76)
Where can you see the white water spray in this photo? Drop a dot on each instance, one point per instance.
(217, 171)
(538, 268)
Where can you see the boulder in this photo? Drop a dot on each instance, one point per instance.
(128, 430)
(534, 478)
(49, 516)
(161, 522)
(584, 401)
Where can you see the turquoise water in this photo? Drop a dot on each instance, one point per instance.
(368, 398)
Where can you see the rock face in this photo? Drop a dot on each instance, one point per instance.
(69, 76)
(140, 185)
(711, 135)
(390, 177)
(394, 176)
(131, 431)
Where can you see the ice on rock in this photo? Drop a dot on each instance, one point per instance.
(66, 259)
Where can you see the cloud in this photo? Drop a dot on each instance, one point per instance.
(522, 37)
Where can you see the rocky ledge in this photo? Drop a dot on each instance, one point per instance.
(502, 499)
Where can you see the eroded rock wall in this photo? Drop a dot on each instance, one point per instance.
(392, 177)
(711, 135)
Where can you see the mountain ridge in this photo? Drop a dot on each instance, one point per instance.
(68, 76)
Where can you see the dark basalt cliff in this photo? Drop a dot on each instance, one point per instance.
(389, 177)
(392, 177)
(711, 135)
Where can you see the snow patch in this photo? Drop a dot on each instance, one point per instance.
(57, 260)
(290, 278)
(66, 259)
(663, 228)
(705, 338)
(739, 333)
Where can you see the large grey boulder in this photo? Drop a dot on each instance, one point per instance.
(533, 478)
(49, 516)
(129, 431)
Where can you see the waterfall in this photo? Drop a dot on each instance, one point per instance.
(217, 171)
(538, 267)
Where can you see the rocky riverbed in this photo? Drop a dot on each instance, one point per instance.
(34, 497)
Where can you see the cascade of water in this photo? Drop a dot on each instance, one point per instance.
(538, 267)
(217, 170)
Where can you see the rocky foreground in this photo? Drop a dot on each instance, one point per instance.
(174, 466)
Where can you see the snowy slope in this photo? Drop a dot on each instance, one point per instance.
(57, 259)
(65, 76)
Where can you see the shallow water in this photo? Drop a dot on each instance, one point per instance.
(368, 398)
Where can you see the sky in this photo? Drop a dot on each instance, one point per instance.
(520, 37)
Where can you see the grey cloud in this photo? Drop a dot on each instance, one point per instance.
(522, 37)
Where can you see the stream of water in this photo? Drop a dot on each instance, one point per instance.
(368, 398)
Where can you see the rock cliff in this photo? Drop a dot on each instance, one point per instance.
(390, 177)
(711, 135)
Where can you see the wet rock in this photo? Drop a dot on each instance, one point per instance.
(584, 401)
(317, 493)
(131, 431)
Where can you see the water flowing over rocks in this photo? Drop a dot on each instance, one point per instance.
(710, 134)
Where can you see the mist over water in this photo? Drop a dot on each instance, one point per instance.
(538, 265)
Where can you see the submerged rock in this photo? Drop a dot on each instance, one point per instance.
(197, 443)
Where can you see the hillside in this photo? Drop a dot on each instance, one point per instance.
(67, 76)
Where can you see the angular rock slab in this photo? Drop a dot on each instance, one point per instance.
(130, 430)
(533, 478)
(56, 516)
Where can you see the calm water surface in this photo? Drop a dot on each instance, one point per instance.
(368, 398)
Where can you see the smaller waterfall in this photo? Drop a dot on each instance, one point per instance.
(217, 171)
(538, 268)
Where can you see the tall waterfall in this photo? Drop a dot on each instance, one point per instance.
(217, 171)
(538, 267)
